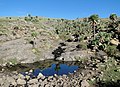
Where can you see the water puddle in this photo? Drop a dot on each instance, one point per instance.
(47, 68)
(59, 69)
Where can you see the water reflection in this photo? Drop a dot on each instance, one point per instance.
(58, 69)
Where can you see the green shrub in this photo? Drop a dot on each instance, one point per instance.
(111, 50)
(34, 34)
(82, 46)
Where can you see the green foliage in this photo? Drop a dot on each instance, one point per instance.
(82, 46)
(94, 18)
(34, 34)
(102, 40)
(68, 28)
(13, 61)
(27, 19)
(111, 50)
(31, 19)
(113, 17)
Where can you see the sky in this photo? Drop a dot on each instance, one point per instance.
(68, 9)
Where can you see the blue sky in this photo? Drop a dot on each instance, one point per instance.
(69, 9)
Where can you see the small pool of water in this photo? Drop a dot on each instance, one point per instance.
(59, 69)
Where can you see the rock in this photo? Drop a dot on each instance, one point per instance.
(8, 51)
(21, 82)
(47, 85)
(74, 55)
(34, 85)
(40, 76)
(2, 69)
(118, 70)
(26, 72)
(14, 83)
(84, 83)
(15, 77)
(50, 78)
(55, 75)
(65, 84)
(64, 76)
(11, 80)
(114, 42)
(21, 76)
(33, 81)
(31, 71)
(27, 77)
(1, 80)
(101, 53)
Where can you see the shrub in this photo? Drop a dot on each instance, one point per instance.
(34, 34)
(82, 46)
(111, 50)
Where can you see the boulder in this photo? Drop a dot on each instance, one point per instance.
(84, 83)
(21, 76)
(33, 81)
(21, 82)
(11, 80)
(114, 42)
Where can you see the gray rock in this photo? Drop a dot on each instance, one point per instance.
(30, 71)
(101, 54)
(34, 85)
(11, 80)
(21, 82)
(84, 83)
(1, 80)
(40, 76)
(21, 76)
(27, 77)
(74, 55)
(18, 50)
(50, 78)
(33, 81)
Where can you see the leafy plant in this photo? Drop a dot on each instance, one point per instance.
(34, 34)
(102, 40)
(111, 50)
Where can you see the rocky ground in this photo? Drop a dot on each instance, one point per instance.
(92, 73)
(79, 78)
(23, 42)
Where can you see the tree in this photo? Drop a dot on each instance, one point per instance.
(29, 15)
(94, 19)
(113, 17)
(115, 23)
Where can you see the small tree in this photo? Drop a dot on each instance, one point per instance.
(115, 22)
(29, 15)
(94, 19)
(113, 17)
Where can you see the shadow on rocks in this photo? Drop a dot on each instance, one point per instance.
(57, 52)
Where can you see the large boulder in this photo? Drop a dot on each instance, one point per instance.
(16, 51)
(75, 55)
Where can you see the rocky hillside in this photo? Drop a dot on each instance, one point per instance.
(26, 41)
(29, 39)
(93, 42)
